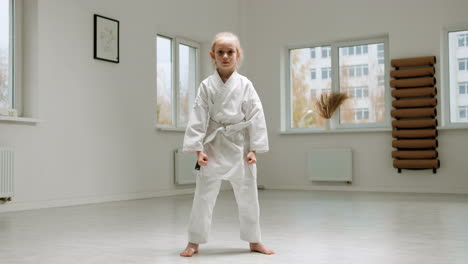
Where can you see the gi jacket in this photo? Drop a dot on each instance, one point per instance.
(226, 122)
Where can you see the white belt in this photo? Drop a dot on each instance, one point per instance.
(227, 130)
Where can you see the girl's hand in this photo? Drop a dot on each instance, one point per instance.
(202, 158)
(251, 157)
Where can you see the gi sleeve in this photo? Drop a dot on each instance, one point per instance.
(198, 123)
(257, 130)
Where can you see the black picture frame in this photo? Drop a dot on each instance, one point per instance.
(106, 39)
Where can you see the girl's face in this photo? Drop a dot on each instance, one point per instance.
(225, 55)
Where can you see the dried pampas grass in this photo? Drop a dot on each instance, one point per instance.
(328, 103)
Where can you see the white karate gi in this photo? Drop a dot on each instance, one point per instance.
(226, 122)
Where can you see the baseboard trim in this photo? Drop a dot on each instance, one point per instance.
(42, 204)
(30, 205)
(452, 190)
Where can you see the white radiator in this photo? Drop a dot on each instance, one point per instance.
(6, 172)
(330, 164)
(184, 165)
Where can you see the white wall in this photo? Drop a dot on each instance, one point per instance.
(414, 29)
(98, 142)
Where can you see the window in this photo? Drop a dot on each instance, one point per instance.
(463, 88)
(326, 73)
(177, 80)
(463, 112)
(363, 77)
(358, 50)
(358, 92)
(361, 114)
(7, 88)
(313, 74)
(325, 52)
(312, 53)
(354, 50)
(357, 70)
(462, 64)
(463, 40)
(457, 81)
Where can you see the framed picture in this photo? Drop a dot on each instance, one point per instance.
(106, 39)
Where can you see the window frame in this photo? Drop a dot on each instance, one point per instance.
(445, 107)
(286, 123)
(175, 41)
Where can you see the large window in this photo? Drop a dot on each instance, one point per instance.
(177, 80)
(7, 91)
(357, 68)
(457, 59)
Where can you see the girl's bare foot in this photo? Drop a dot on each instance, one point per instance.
(259, 247)
(191, 249)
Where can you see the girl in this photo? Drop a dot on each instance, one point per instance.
(226, 129)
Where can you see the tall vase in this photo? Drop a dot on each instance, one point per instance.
(327, 124)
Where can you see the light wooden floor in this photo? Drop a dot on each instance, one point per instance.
(303, 227)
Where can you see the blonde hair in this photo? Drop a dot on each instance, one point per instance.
(228, 36)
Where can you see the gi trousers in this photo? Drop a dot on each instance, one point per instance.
(206, 192)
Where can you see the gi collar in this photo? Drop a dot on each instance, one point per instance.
(219, 82)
